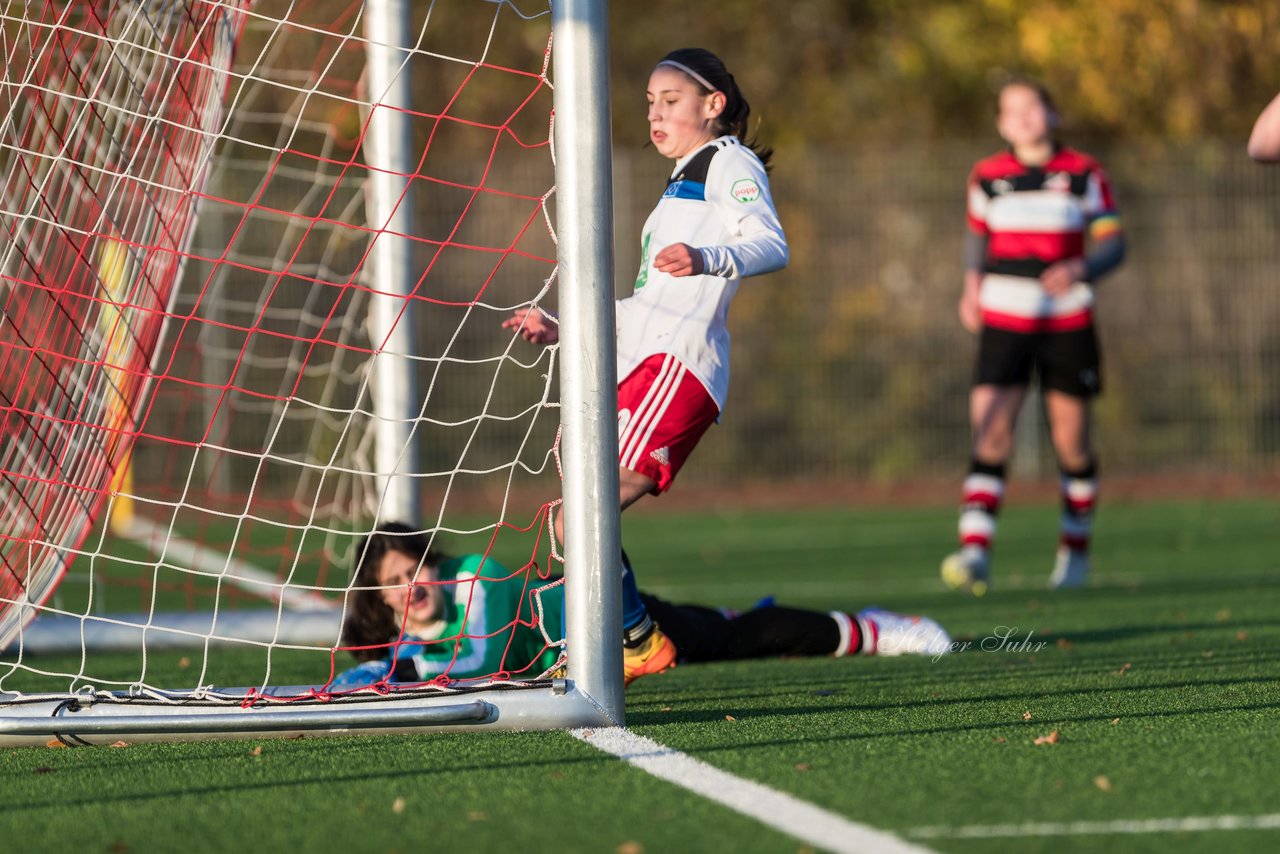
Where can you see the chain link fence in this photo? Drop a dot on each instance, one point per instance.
(852, 363)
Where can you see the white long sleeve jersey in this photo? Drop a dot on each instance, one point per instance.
(717, 200)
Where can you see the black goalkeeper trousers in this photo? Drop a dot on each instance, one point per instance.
(706, 634)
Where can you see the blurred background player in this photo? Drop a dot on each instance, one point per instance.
(714, 225)
(1264, 141)
(1028, 294)
(418, 614)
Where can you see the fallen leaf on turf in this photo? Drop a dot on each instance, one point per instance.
(477, 815)
(257, 751)
(1026, 716)
(1115, 721)
(1242, 635)
(802, 766)
(730, 718)
(43, 769)
(120, 743)
(184, 663)
(1000, 740)
(1124, 668)
(1223, 615)
(631, 848)
(53, 742)
(665, 709)
(1051, 738)
(1102, 782)
(118, 847)
(1064, 643)
(397, 806)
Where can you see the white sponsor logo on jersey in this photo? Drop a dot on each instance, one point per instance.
(745, 190)
(1058, 181)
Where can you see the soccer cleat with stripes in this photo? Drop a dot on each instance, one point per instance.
(1070, 569)
(655, 654)
(968, 569)
(889, 633)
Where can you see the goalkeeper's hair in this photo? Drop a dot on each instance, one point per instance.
(370, 623)
(735, 119)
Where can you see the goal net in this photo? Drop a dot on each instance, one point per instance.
(254, 263)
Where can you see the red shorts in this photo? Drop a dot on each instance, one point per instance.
(663, 410)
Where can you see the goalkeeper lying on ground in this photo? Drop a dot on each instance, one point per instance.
(418, 615)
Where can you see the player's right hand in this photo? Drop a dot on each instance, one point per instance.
(534, 325)
(679, 259)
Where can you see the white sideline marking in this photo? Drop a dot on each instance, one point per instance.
(1101, 828)
(244, 575)
(778, 810)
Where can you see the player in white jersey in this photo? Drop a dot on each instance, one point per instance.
(714, 225)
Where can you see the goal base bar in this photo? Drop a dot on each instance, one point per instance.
(90, 721)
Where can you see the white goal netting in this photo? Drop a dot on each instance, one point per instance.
(225, 242)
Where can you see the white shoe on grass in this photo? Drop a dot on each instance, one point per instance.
(968, 569)
(1070, 569)
(887, 633)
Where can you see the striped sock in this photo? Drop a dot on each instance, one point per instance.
(983, 493)
(856, 635)
(1079, 497)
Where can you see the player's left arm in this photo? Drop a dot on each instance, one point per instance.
(1105, 240)
(738, 191)
(1106, 235)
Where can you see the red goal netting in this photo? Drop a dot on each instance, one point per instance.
(190, 210)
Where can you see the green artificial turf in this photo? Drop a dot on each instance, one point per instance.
(1161, 680)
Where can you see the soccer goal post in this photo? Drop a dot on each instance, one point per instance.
(255, 258)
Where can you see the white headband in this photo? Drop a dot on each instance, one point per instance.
(687, 70)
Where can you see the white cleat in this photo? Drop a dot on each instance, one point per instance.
(1070, 569)
(968, 569)
(887, 633)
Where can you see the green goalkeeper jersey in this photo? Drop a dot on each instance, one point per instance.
(496, 621)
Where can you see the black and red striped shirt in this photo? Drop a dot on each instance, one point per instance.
(1034, 216)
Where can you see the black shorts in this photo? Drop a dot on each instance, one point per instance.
(1068, 362)
(707, 634)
